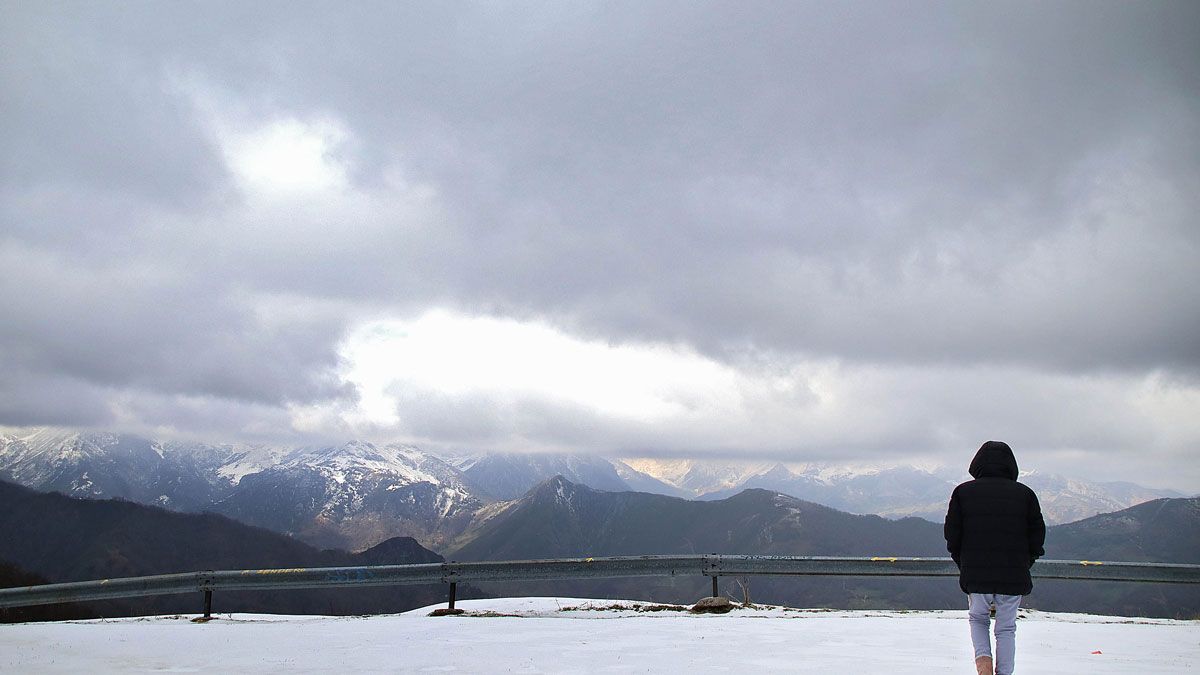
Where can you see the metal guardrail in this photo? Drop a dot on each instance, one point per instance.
(566, 568)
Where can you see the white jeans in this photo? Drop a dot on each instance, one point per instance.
(978, 610)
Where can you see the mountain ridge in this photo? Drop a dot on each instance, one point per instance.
(71, 539)
(557, 519)
(356, 494)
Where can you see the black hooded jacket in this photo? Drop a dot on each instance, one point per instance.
(994, 528)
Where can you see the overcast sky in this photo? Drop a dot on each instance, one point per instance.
(809, 231)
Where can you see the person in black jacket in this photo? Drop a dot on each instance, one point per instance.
(994, 531)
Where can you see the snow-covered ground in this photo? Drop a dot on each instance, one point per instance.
(564, 635)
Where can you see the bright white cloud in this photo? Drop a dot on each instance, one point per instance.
(450, 380)
(458, 355)
(287, 155)
(271, 154)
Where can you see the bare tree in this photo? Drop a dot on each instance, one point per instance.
(744, 583)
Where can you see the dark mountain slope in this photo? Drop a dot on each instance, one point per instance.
(1163, 530)
(559, 518)
(67, 539)
(12, 576)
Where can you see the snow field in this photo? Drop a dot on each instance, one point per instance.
(535, 635)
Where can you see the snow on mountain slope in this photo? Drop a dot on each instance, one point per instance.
(47, 455)
(1066, 500)
(571, 635)
(669, 471)
(103, 465)
(230, 461)
(889, 490)
(355, 495)
(644, 482)
(698, 477)
(197, 476)
(506, 476)
(405, 463)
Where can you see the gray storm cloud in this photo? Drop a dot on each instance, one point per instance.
(939, 198)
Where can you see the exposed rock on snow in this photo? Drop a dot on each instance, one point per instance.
(712, 605)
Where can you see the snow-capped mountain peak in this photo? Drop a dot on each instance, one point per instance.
(403, 463)
(355, 494)
(90, 464)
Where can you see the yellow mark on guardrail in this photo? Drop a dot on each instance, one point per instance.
(283, 571)
(881, 559)
(1090, 562)
(588, 560)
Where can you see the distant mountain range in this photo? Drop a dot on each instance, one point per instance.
(62, 539)
(358, 494)
(509, 476)
(351, 496)
(112, 465)
(560, 519)
(892, 492)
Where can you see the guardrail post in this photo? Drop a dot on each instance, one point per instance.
(712, 568)
(453, 588)
(208, 604)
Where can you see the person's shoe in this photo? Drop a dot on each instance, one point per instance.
(983, 665)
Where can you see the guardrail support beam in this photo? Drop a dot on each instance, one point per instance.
(714, 586)
(207, 604)
(453, 588)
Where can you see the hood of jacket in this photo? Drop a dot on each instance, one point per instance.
(994, 460)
